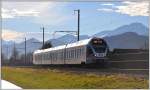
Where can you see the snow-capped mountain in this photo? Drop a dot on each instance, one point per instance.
(133, 27)
(66, 39)
(31, 45)
(133, 36)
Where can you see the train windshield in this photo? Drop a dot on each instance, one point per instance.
(99, 45)
(99, 49)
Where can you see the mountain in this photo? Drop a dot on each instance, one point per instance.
(66, 39)
(31, 45)
(132, 36)
(7, 42)
(128, 40)
(133, 27)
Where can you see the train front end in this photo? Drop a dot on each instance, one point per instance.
(97, 51)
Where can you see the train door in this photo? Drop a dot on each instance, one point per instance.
(89, 54)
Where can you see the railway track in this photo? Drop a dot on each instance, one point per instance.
(120, 63)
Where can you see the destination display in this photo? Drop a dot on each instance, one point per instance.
(97, 41)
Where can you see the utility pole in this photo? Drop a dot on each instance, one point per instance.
(1, 49)
(7, 52)
(43, 35)
(78, 23)
(25, 50)
(14, 51)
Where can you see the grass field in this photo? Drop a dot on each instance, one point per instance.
(52, 78)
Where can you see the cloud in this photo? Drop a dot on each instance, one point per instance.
(107, 4)
(7, 13)
(8, 34)
(130, 8)
(105, 9)
(42, 12)
(134, 8)
(23, 9)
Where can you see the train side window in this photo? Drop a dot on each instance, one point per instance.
(66, 54)
(71, 53)
(79, 52)
(82, 51)
(54, 56)
(59, 55)
(39, 57)
(45, 56)
(35, 57)
(49, 56)
(75, 52)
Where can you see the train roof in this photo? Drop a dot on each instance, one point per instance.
(75, 44)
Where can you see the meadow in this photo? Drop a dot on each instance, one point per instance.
(35, 78)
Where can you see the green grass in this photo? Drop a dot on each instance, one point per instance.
(29, 78)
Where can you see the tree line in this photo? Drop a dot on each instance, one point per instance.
(17, 59)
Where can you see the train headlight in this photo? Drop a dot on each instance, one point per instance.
(96, 55)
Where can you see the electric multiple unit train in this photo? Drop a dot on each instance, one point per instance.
(92, 50)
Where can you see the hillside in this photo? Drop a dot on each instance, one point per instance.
(138, 28)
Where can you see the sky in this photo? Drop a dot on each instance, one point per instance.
(25, 19)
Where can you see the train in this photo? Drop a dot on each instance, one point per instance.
(87, 51)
